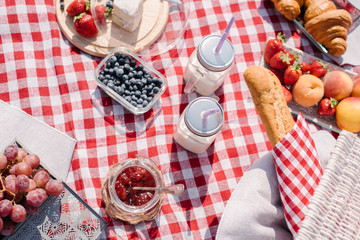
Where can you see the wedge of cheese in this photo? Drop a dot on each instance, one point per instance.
(127, 14)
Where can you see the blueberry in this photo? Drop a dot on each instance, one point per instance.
(131, 74)
(111, 71)
(127, 83)
(128, 98)
(127, 58)
(150, 94)
(127, 92)
(122, 55)
(125, 77)
(119, 72)
(139, 74)
(117, 83)
(131, 88)
(144, 81)
(140, 101)
(133, 81)
(144, 96)
(123, 86)
(149, 87)
(101, 77)
(116, 64)
(156, 81)
(135, 88)
(139, 67)
(106, 70)
(149, 99)
(156, 90)
(145, 103)
(144, 92)
(107, 76)
(132, 62)
(133, 97)
(105, 81)
(127, 68)
(138, 93)
(109, 4)
(121, 61)
(119, 90)
(115, 69)
(117, 55)
(110, 85)
(134, 103)
(101, 72)
(62, 5)
(113, 60)
(108, 65)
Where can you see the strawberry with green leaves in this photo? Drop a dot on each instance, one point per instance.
(327, 106)
(318, 69)
(85, 25)
(77, 7)
(282, 60)
(102, 12)
(292, 74)
(274, 46)
(305, 67)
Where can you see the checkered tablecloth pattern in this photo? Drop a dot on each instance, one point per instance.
(50, 79)
(298, 172)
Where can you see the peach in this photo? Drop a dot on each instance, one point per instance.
(356, 88)
(337, 84)
(347, 114)
(308, 90)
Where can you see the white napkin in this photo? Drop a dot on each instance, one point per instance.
(254, 210)
(54, 148)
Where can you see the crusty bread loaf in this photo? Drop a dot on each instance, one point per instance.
(269, 100)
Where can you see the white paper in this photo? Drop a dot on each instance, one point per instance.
(54, 148)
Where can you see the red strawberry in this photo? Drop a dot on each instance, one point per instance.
(327, 106)
(85, 25)
(292, 74)
(77, 7)
(279, 73)
(282, 60)
(273, 46)
(305, 67)
(318, 69)
(102, 12)
(287, 94)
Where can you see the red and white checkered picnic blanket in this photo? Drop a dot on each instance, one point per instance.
(298, 171)
(50, 79)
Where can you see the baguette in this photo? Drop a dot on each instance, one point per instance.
(269, 100)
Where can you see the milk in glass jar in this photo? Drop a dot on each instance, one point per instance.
(199, 124)
(207, 68)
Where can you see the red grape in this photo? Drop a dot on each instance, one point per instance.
(21, 154)
(23, 168)
(36, 197)
(41, 178)
(3, 161)
(11, 152)
(54, 187)
(22, 182)
(10, 178)
(5, 207)
(8, 228)
(33, 160)
(32, 185)
(10, 185)
(18, 213)
(30, 209)
(12, 169)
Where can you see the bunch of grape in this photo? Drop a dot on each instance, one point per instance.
(24, 186)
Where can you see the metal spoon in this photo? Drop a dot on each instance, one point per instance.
(177, 189)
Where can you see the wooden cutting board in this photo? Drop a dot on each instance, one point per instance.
(154, 19)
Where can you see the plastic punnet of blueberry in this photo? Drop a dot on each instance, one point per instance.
(129, 79)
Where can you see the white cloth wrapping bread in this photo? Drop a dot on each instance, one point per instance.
(254, 210)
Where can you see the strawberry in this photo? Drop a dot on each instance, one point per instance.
(305, 67)
(77, 7)
(102, 12)
(287, 94)
(273, 46)
(318, 69)
(279, 73)
(292, 74)
(282, 60)
(327, 106)
(85, 25)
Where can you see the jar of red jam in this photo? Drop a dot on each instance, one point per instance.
(122, 201)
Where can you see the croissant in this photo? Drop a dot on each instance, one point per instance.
(289, 8)
(328, 25)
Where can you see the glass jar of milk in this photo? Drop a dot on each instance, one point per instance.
(199, 124)
(207, 69)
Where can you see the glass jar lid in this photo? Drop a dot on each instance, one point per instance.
(215, 61)
(197, 117)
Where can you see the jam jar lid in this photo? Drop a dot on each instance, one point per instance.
(194, 116)
(215, 61)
